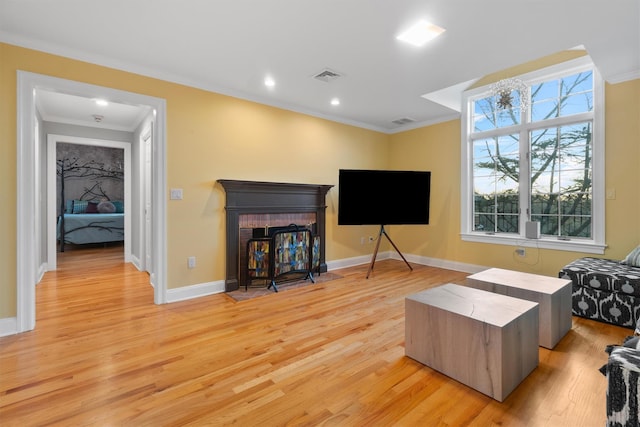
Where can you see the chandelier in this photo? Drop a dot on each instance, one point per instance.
(504, 90)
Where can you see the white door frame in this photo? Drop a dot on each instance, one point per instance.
(27, 202)
(52, 208)
(145, 244)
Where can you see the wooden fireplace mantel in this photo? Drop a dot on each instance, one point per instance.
(256, 197)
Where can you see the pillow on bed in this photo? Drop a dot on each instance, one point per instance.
(106, 207)
(119, 206)
(92, 207)
(79, 206)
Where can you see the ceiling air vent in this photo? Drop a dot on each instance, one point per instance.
(402, 121)
(326, 75)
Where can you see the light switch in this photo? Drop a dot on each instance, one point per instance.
(176, 194)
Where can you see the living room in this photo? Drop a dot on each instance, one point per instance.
(212, 136)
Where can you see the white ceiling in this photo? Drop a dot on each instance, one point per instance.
(77, 110)
(230, 46)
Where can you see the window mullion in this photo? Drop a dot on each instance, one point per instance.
(525, 180)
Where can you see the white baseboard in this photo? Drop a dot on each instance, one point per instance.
(441, 263)
(195, 291)
(352, 262)
(431, 262)
(44, 267)
(136, 262)
(204, 289)
(8, 326)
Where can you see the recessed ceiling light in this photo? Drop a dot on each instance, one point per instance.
(335, 101)
(269, 82)
(101, 102)
(421, 33)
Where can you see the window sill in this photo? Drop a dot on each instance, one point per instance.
(542, 243)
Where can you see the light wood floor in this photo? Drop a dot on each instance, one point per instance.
(330, 354)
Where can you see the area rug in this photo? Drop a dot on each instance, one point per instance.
(259, 291)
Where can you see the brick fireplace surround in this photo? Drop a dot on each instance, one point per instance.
(255, 204)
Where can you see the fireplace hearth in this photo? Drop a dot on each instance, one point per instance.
(254, 204)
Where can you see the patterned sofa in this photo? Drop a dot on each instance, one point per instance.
(623, 372)
(605, 290)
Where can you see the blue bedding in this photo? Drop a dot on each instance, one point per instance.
(92, 228)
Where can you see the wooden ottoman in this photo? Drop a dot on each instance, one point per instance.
(553, 295)
(484, 340)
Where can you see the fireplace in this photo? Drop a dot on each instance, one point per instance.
(255, 204)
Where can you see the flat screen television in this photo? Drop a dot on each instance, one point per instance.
(383, 197)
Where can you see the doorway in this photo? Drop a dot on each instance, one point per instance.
(52, 192)
(30, 238)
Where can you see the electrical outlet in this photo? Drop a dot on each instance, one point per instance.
(520, 251)
(176, 194)
(191, 262)
(362, 240)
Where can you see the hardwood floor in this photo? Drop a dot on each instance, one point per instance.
(329, 354)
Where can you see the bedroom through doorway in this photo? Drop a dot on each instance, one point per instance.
(92, 188)
(94, 171)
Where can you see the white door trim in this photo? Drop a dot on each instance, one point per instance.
(27, 250)
(146, 147)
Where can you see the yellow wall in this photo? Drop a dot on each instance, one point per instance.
(547, 61)
(7, 187)
(437, 148)
(212, 136)
(209, 137)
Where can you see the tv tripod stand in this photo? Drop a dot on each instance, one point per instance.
(375, 252)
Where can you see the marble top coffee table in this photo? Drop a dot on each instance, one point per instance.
(484, 340)
(553, 295)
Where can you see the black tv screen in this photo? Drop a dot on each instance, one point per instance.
(383, 197)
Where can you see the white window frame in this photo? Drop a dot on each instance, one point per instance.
(595, 245)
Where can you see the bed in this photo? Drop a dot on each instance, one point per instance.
(96, 226)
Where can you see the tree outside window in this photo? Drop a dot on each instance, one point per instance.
(535, 165)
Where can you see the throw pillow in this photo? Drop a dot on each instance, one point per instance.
(632, 342)
(119, 206)
(633, 259)
(106, 207)
(80, 206)
(92, 207)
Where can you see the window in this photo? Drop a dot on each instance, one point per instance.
(544, 163)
